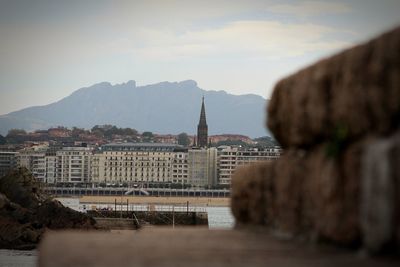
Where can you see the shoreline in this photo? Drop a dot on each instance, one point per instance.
(197, 201)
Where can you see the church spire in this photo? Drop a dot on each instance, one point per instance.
(203, 120)
(202, 128)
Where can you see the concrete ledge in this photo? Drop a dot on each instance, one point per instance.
(189, 247)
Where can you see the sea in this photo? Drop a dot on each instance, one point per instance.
(218, 218)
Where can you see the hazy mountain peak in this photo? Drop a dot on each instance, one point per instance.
(181, 84)
(130, 83)
(101, 84)
(166, 107)
(188, 83)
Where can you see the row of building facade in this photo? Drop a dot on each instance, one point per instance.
(129, 163)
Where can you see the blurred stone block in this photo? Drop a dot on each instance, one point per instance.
(347, 96)
(380, 203)
(192, 247)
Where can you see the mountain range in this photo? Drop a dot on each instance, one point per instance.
(166, 107)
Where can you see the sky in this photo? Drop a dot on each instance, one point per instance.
(48, 49)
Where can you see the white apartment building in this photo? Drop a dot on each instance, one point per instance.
(96, 168)
(128, 163)
(68, 164)
(73, 165)
(138, 163)
(154, 163)
(180, 169)
(51, 169)
(34, 159)
(229, 158)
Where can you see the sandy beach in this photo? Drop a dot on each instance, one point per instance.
(198, 201)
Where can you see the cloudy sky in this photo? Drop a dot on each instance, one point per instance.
(48, 49)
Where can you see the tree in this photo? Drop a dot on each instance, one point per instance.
(108, 131)
(129, 131)
(16, 136)
(77, 131)
(2, 140)
(183, 139)
(16, 132)
(266, 141)
(147, 136)
(231, 143)
(98, 132)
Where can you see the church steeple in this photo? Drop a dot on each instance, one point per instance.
(202, 128)
(203, 120)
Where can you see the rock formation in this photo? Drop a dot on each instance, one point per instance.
(339, 178)
(25, 212)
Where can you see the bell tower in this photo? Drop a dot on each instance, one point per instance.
(202, 128)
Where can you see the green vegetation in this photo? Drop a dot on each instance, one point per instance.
(16, 132)
(108, 131)
(337, 142)
(266, 141)
(76, 132)
(147, 137)
(183, 139)
(3, 140)
(15, 136)
(231, 143)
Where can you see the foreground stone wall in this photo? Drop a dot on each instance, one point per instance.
(347, 96)
(339, 179)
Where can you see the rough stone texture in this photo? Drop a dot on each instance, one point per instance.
(288, 192)
(354, 93)
(349, 198)
(247, 196)
(338, 180)
(333, 185)
(54, 215)
(190, 247)
(15, 229)
(305, 193)
(380, 205)
(21, 188)
(25, 213)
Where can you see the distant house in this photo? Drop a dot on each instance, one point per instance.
(231, 137)
(167, 138)
(59, 132)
